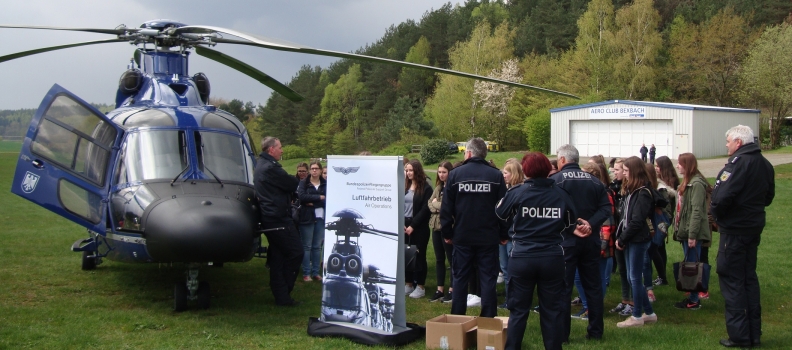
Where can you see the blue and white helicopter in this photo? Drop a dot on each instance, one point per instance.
(165, 177)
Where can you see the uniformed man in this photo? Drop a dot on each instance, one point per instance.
(582, 252)
(468, 221)
(274, 189)
(743, 189)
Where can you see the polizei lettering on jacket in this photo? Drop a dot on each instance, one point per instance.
(576, 175)
(541, 213)
(474, 187)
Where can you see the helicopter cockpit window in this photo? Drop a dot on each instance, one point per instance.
(223, 155)
(148, 117)
(343, 295)
(74, 138)
(153, 154)
(212, 120)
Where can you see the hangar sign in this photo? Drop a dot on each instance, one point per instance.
(617, 112)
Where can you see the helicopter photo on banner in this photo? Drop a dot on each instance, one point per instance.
(363, 284)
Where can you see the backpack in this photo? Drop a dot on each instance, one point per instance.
(708, 202)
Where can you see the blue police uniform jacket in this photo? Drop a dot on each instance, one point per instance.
(540, 213)
(743, 188)
(591, 200)
(467, 215)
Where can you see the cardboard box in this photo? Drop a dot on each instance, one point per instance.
(491, 333)
(454, 332)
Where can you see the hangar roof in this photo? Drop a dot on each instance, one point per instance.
(658, 104)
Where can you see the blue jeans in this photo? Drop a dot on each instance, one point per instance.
(692, 256)
(606, 265)
(503, 258)
(634, 254)
(312, 236)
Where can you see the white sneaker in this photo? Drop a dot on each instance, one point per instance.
(473, 300)
(419, 292)
(500, 277)
(408, 289)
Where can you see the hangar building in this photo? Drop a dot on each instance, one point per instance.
(617, 128)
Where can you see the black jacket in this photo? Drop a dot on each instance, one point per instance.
(307, 193)
(590, 197)
(637, 207)
(743, 189)
(274, 189)
(540, 212)
(421, 213)
(644, 150)
(467, 215)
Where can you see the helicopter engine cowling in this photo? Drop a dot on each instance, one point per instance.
(199, 228)
(334, 263)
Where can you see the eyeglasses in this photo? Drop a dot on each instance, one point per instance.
(302, 171)
(315, 169)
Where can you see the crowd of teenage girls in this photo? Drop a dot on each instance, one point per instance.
(647, 202)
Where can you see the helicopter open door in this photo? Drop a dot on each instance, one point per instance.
(65, 159)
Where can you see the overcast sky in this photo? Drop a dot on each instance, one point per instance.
(92, 72)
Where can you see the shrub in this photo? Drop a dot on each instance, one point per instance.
(434, 151)
(537, 131)
(395, 149)
(294, 152)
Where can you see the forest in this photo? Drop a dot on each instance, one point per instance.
(735, 53)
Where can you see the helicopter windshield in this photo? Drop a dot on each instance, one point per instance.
(153, 154)
(224, 155)
(343, 295)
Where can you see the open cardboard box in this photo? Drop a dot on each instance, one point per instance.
(455, 332)
(491, 333)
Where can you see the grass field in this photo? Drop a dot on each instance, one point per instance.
(47, 301)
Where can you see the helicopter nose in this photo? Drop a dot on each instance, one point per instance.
(200, 229)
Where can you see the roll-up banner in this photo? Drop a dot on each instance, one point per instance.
(363, 284)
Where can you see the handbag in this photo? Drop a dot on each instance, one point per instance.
(692, 276)
(410, 253)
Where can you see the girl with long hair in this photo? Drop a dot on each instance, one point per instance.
(667, 183)
(691, 226)
(634, 237)
(513, 176)
(416, 224)
(311, 193)
(442, 249)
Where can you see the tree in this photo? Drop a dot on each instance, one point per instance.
(766, 75)
(454, 104)
(594, 47)
(495, 98)
(706, 59)
(638, 43)
(417, 82)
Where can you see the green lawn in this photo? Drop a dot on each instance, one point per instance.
(46, 301)
(10, 146)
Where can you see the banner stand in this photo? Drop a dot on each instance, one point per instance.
(363, 296)
(366, 335)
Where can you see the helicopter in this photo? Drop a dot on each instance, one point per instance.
(352, 291)
(165, 177)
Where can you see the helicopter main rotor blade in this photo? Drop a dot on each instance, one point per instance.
(89, 30)
(283, 46)
(249, 71)
(53, 48)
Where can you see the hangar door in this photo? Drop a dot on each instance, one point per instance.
(621, 137)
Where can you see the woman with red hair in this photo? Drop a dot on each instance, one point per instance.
(540, 211)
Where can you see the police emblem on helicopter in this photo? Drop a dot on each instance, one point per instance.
(352, 291)
(30, 182)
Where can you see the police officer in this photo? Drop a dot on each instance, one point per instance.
(274, 189)
(469, 222)
(540, 211)
(743, 189)
(582, 252)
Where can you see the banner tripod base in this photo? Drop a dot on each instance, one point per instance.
(366, 335)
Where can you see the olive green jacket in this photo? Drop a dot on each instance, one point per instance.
(434, 207)
(693, 222)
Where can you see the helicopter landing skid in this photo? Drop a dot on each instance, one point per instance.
(90, 251)
(192, 290)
